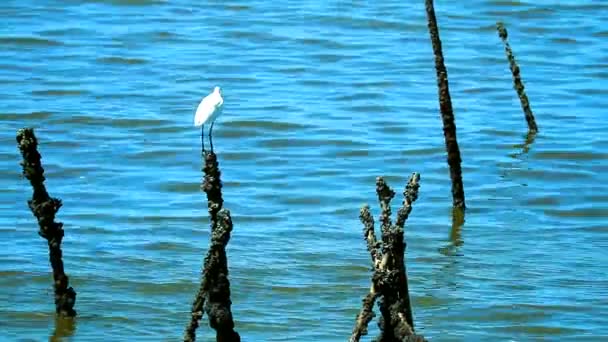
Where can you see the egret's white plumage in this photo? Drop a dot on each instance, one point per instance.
(207, 112)
(209, 108)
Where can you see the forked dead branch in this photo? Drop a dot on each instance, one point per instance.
(389, 280)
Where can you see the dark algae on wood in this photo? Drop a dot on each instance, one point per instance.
(44, 209)
(447, 113)
(214, 293)
(389, 280)
(517, 82)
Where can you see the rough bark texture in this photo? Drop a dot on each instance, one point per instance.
(389, 280)
(517, 82)
(447, 113)
(214, 293)
(44, 209)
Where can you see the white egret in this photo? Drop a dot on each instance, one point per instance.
(208, 110)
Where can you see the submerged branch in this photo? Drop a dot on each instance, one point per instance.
(385, 195)
(517, 82)
(389, 280)
(369, 234)
(218, 305)
(214, 292)
(447, 112)
(44, 209)
(410, 194)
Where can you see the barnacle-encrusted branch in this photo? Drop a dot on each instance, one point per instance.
(45, 208)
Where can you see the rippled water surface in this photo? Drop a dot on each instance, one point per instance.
(320, 98)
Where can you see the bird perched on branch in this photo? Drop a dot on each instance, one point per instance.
(207, 112)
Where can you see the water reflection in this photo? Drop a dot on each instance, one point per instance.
(455, 240)
(457, 223)
(525, 147)
(64, 327)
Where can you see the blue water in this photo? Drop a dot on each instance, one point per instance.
(320, 98)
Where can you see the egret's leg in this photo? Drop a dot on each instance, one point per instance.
(210, 136)
(203, 138)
